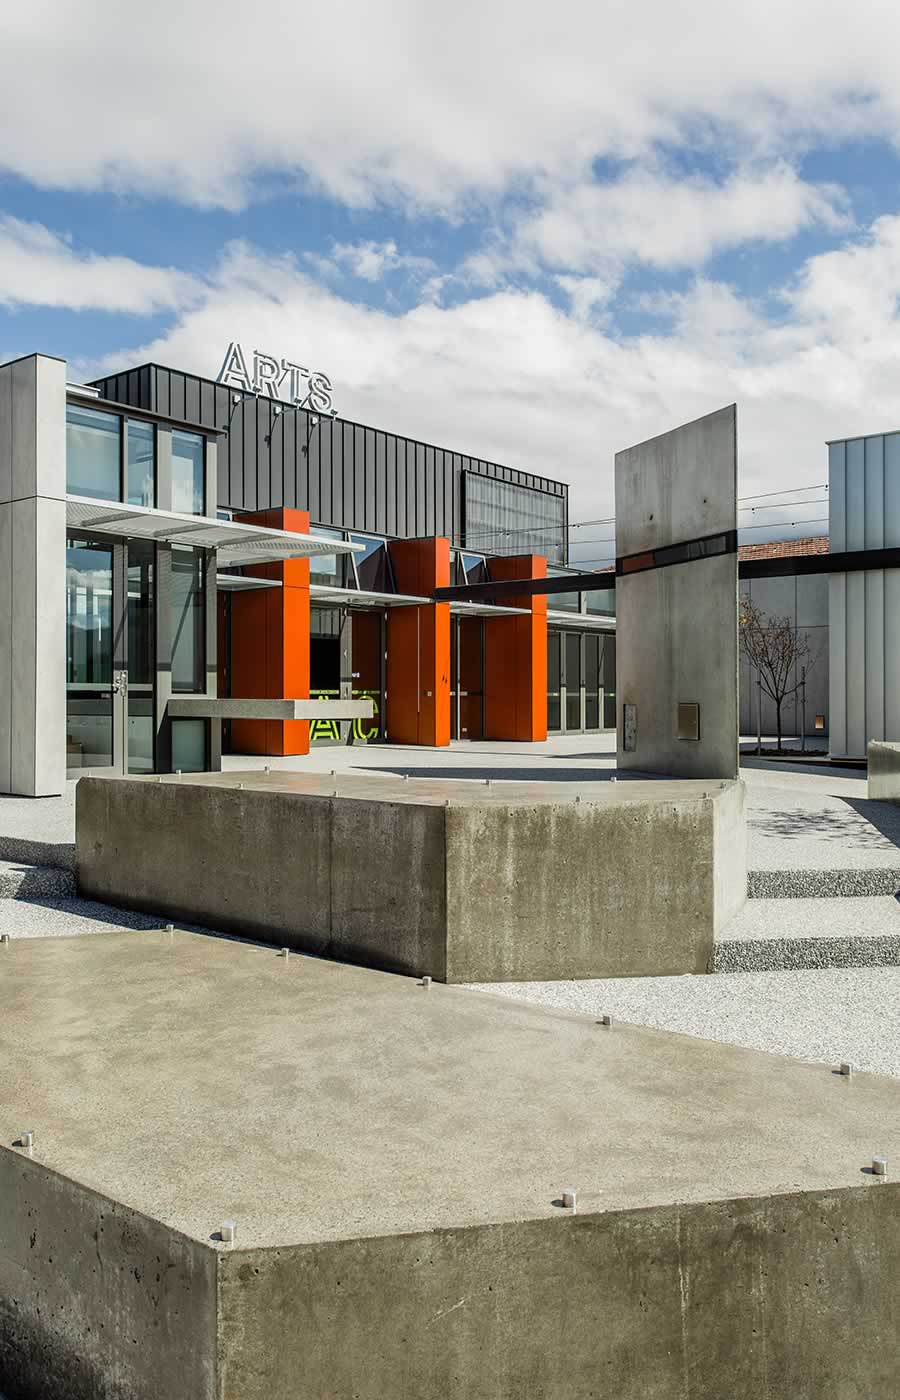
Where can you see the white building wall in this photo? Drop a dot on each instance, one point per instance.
(864, 607)
(32, 576)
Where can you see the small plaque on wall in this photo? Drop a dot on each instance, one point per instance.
(629, 728)
(688, 720)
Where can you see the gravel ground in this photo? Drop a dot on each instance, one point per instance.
(61, 918)
(831, 1016)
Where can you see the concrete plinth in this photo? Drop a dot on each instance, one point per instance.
(459, 881)
(883, 762)
(394, 1159)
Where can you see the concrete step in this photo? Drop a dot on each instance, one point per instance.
(858, 883)
(21, 881)
(779, 934)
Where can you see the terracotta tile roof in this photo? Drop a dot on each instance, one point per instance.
(784, 549)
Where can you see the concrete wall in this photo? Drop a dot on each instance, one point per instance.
(32, 576)
(804, 599)
(864, 607)
(677, 626)
(97, 1300)
(789, 1297)
(462, 892)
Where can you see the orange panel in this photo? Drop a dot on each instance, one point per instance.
(515, 659)
(418, 665)
(270, 644)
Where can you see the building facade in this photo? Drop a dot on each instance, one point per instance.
(167, 541)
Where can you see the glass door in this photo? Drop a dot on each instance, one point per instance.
(110, 656)
(554, 682)
(93, 683)
(573, 682)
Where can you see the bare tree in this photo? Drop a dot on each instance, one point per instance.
(778, 653)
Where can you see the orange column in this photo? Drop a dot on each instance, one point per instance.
(515, 658)
(270, 644)
(418, 647)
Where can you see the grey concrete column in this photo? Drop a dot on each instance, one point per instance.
(32, 576)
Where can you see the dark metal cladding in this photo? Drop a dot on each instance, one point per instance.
(351, 475)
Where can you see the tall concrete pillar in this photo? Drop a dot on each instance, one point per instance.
(515, 659)
(32, 576)
(418, 662)
(676, 601)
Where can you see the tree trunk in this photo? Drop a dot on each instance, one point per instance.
(778, 722)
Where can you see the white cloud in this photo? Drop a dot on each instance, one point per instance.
(511, 377)
(667, 221)
(371, 261)
(39, 268)
(425, 105)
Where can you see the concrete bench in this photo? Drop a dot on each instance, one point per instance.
(461, 881)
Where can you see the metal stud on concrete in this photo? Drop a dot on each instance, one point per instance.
(425, 982)
(569, 1197)
(846, 1069)
(26, 1140)
(605, 1020)
(5, 940)
(285, 953)
(228, 1231)
(879, 1166)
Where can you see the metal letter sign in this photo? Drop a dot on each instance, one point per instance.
(306, 388)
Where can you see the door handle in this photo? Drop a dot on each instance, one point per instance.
(120, 683)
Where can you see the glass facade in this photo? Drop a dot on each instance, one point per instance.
(188, 473)
(581, 681)
(188, 620)
(502, 517)
(93, 453)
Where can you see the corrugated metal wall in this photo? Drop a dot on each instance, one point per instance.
(864, 607)
(343, 473)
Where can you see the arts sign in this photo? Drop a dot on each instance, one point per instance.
(277, 378)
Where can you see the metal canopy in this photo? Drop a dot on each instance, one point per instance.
(592, 622)
(360, 598)
(486, 610)
(242, 583)
(234, 542)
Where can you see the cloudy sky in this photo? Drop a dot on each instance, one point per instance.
(536, 233)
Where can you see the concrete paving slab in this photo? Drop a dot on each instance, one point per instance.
(196, 1078)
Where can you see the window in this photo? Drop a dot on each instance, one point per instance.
(141, 463)
(373, 565)
(93, 453)
(188, 615)
(327, 568)
(189, 745)
(188, 471)
(563, 602)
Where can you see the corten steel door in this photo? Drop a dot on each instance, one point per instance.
(367, 650)
(467, 678)
(110, 669)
